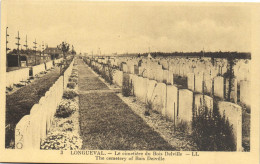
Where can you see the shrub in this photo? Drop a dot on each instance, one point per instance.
(127, 85)
(149, 106)
(110, 74)
(61, 140)
(73, 79)
(95, 68)
(69, 94)
(71, 85)
(74, 75)
(246, 130)
(182, 127)
(9, 88)
(43, 72)
(67, 126)
(212, 132)
(107, 73)
(147, 112)
(68, 121)
(19, 85)
(165, 81)
(66, 108)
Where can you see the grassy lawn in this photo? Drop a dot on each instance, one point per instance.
(106, 122)
(20, 102)
(89, 81)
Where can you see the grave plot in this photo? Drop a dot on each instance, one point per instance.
(23, 79)
(19, 78)
(19, 103)
(41, 115)
(64, 131)
(197, 86)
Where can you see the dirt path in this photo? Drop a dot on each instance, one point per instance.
(106, 122)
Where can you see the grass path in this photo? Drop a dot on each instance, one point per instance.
(106, 122)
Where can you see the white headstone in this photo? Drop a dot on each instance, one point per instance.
(172, 102)
(159, 98)
(233, 113)
(219, 86)
(245, 96)
(185, 106)
(191, 81)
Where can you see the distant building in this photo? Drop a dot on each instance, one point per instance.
(29, 58)
(53, 52)
(32, 59)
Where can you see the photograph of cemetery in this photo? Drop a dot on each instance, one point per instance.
(127, 76)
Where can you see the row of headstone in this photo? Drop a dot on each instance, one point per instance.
(182, 66)
(33, 128)
(178, 104)
(218, 86)
(202, 81)
(173, 103)
(14, 77)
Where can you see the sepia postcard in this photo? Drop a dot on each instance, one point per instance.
(129, 82)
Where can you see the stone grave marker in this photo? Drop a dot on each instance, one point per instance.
(172, 102)
(233, 113)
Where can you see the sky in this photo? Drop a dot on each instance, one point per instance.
(131, 27)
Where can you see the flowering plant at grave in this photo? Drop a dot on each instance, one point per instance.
(66, 108)
(74, 75)
(61, 141)
(73, 79)
(70, 94)
(66, 126)
(211, 131)
(9, 88)
(71, 85)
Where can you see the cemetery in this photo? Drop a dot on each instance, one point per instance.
(197, 97)
(219, 88)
